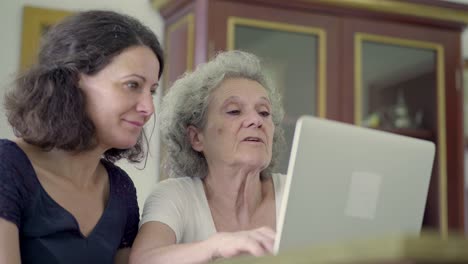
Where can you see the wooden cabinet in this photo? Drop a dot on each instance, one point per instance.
(388, 64)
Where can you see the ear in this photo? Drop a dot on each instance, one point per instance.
(196, 138)
(82, 81)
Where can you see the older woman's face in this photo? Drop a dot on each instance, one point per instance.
(239, 128)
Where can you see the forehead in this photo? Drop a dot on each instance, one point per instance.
(240, 88)
(136, 59)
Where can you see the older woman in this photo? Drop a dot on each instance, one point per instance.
(221, 125)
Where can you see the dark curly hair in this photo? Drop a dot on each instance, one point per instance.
(46, 108)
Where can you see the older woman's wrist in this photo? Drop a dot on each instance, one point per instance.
(211, 247)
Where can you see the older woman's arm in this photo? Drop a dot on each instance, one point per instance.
(9, 243)
(155, 243)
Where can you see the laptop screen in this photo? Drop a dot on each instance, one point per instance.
(346, 182)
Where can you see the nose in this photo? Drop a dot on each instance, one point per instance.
(253, 119)
(145, 104)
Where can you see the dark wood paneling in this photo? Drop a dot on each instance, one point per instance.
(454, 121)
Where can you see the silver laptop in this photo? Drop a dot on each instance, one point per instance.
(346, 182)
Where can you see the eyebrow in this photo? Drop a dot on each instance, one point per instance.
(134, 75)
(236, 99)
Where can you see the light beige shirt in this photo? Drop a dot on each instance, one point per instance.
(181, 204)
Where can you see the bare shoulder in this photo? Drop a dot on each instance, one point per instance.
(183, 184)
(25, 147)
(32, 152)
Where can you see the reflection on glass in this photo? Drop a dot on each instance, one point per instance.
(291, 61)
(398, 86)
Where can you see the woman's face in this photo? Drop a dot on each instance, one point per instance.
(119, 98)
(239, 127)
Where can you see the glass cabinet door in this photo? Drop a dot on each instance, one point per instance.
(396, 85)
(294, 57)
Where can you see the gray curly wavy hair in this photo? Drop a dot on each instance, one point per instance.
(187, 101)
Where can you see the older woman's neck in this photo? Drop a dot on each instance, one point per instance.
(236, 191)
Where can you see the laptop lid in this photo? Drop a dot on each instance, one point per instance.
(347, 182)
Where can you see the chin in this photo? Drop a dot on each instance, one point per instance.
(258, 163)
(125, 144)
(130, 145)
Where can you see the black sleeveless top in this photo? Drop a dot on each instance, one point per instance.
(48, 233)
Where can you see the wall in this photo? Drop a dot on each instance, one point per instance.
(11, 18)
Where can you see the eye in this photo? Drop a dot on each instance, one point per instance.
(233, 112)
(132, 85)
(154, 89)
(265, 113)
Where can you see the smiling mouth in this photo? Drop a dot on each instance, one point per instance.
(135, 123)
